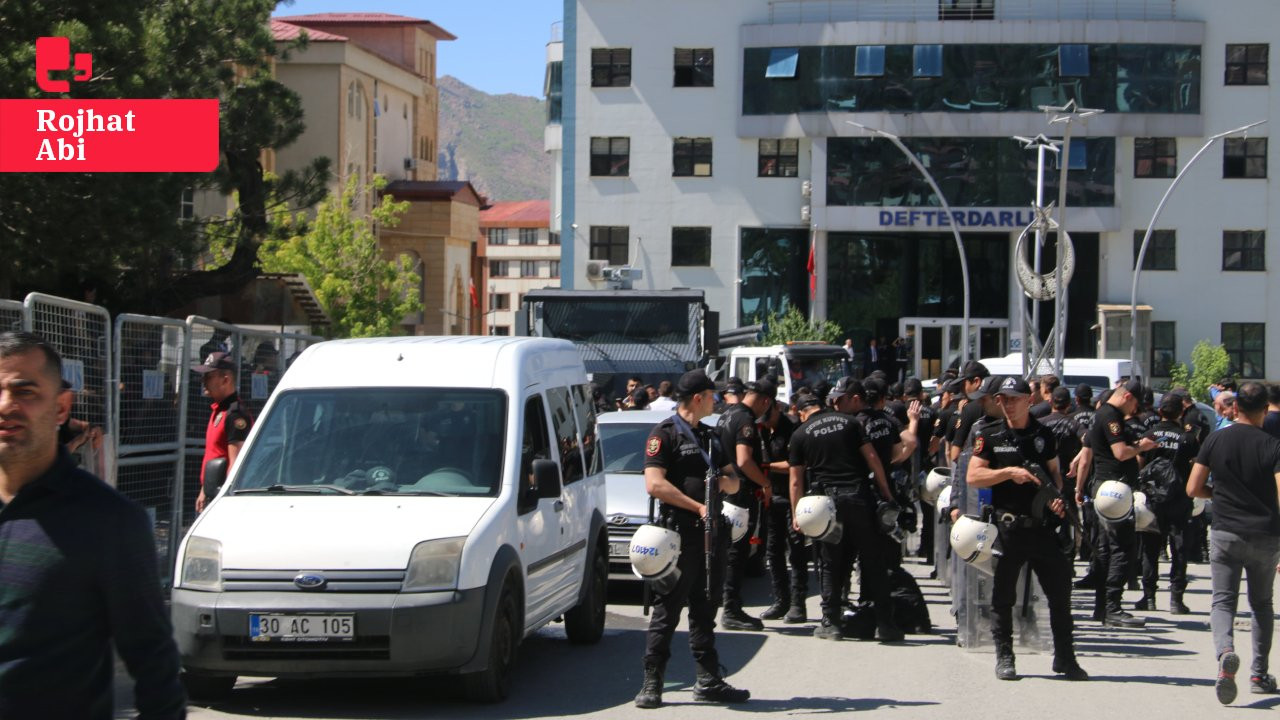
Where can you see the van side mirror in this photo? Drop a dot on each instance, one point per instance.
(215, 476)
(546, 478)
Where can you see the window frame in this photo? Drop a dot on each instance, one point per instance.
(698, 72)
(610, 244)
(1239, 151)
(1234, 241)
(497, 236)
(868, 61)
(700, 253)
(500, 330)
(1243, 65)
(612, 69)
(777, 163)
(694, 149)
(1236, 351)
(499, 301)
(553, 268)
(1157, 152)
(1159, 257)
(553, 238)
(935, 61)
(617, 163)
(529, 268)
(1069, 54)
(783, 63)
(527, 236)
(1171, 348)
(496, 265)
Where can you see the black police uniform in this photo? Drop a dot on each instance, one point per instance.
(787, 553)
(1023, 539)
(829, 446)
(737, 426)
(1115, 540)
(921, 464)
(964, 422)
(686, 468)
(1196, 538)
(884, 432)
(1179, 446)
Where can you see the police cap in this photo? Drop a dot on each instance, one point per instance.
(875, 390)
(912, 387)
(764, 386)
(1014, 385)
(694, 382)
(733, 386)
(988, 387)
(846, 386)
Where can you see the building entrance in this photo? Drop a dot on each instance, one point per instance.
(935, 343)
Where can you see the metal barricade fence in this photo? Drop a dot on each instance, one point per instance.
(12, 315)
(151, 370)
(81, 333)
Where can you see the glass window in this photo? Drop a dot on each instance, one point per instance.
(528, 236)
(1244, 158)
(1161, 251)
(778, 157)
(1247, 64)
(585, 412)
(564, 425)
(553, 89)
(690, 246)
(499, 301)
(499, 268)
(869, 61)
(553, 268)
(553, 238)
(1163, 347)
(610, 156)
(610, 67)
(500, 330)
(782, 62)
(1078, 158)
(536, 444)
(609, 243)
(966, 9)
(528, 268)
(691, 157)
(695, 67)
(1155, 157)
(927, 61)
(1246, 348)
(187, 204)
(405, 441)
(1244, 250)
(624, 446)
(1073, 61)
(773, 273)
(496, 236)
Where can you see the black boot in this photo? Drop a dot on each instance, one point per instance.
(1176, 606)
(779, 607)
(712, 688)
(733, 618)
(1148, 602)
(798, 613)
(1067, 665)
(650, 695)
(1004, 661)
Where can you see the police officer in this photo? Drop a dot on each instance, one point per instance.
(1178, 446)
(948, 406)
(1115, 457)
(973, 374)
(678, 455)
(922, 459)
(229, 421)
(893, 444)
(1002, 452)
(787, 553)
(739, 437)
(830, 454)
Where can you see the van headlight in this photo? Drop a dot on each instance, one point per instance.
(202, 565)
(433, 565)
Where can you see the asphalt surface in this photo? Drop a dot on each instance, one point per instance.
(1165, 670)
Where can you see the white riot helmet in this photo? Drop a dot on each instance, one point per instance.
(937, 479)
(816, 516)
(1144, 519)
(1197, 506)
(972, 541)
(654, 554)
(737, 518)
(943, 500)
(1113, 501)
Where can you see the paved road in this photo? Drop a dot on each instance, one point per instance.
(1163, 671)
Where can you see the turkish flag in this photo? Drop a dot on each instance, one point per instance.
(475, 299)
(813, 276)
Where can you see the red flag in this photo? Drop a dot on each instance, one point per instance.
(813, 276)
(475, 299)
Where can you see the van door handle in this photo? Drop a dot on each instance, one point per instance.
(559, 505)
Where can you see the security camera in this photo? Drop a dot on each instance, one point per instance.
(574, 225)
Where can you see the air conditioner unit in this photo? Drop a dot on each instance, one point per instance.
(806, 188)
(805, 213)
(410, 163)
(595, 269)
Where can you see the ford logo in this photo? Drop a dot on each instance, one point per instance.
(310, 581)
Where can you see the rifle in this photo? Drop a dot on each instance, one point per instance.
(711, 526)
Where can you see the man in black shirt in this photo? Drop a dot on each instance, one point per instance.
(738, 435)
(787, 552)
(678, 455)
(1004, 454)
(922, 459)
(1044, 402)
(1192, 419)
(1166, 469)
(78, 569)
(1115, 458)
(974, 373)
(1271, 423)
(830, 455)
(948, 407)
(1245, 535)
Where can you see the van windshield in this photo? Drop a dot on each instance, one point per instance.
(379, 441)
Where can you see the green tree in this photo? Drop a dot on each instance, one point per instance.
(792, 325)
(1209, 363)
(121, 231)
(365, 294)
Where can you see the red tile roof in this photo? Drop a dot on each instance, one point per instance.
(368, 18)
(525, 213)
(281, 30)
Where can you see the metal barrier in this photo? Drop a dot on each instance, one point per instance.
(151, 370)
(81, 333)
(12, 315)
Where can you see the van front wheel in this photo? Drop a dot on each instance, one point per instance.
(584, 624)
(493, 684)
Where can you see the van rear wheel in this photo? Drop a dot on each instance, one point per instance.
(493, 684)
(207, 687)
(584, 624)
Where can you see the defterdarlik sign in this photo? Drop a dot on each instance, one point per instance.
(959, 218)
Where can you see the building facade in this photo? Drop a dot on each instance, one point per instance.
(724, 150)
(522, 253)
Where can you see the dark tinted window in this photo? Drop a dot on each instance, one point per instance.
(690, 246)
(694, 67)
(610, 67)
(566, 434)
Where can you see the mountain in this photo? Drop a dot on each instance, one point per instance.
(495, 141)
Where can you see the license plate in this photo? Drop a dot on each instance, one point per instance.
(619, 548)
(276, 627)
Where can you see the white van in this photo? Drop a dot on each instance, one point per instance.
(1098, 373)
(795, 364)
(404, 506)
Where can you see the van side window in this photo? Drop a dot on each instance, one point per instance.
(587, 424)
(566, 434)
(742, 369)
(762, 368)
(534, 445)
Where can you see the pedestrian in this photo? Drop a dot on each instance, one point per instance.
(1164, 480)
(851, 355)
(1272, 421)
(741, 441)
(787, 553)
(1014, 457)
(1115, 457)
(830, 455)
(1224, 404)
(664, 400)
(78, 575)
(625, 402)
(637, 400)
(229, 420)
(679, 453)
(1245, 537)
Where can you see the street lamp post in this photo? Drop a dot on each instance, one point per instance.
(1146, 238)
(942, 200)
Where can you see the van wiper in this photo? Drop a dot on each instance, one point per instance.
(296, 489)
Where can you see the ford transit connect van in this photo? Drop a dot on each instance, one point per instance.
(404, 506)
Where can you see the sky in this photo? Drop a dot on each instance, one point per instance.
(501, 45)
